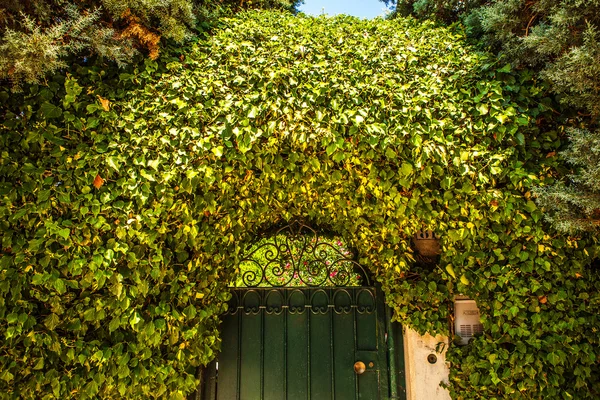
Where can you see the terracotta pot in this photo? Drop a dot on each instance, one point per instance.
(427, 244)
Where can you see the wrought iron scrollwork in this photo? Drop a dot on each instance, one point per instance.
(365, 302)
(295, 255)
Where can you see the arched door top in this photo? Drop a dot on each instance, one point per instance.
(297, 255)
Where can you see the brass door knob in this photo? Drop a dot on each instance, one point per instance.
(359, 367)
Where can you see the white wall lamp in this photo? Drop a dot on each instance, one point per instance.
(467, 321)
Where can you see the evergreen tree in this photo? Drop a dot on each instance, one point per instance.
(574, 205)
(560, 39)
(447, 11)
(38, 36)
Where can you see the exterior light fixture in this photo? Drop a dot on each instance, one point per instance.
(466, 319)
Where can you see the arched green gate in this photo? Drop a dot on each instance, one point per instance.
(305, 322)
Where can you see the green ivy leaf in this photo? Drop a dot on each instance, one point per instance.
(406, 169)
(39, 364)
(217, 151)
(331, 148)
(530, 206)
(114, 324)
(506, 69)
(51, 321)
(389, 153)
(64, 233)
(553, 358)
(50, 111)
(483, 109)
(6, 376)
(60, 287)
(339, 156)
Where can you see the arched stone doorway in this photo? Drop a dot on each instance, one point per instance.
(306, 321)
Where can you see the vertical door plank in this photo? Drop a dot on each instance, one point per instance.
(343, 346)
(366, 343)
(320, 347)
(208, 390)
(251, 348)
(297, 347)
(274, 346)
(366, 320)
(227, 382)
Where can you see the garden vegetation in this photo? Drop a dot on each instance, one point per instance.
(128, 196)
(560, 41)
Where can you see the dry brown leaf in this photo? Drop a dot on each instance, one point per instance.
(145, 37)
(543, 299)
(98, 181)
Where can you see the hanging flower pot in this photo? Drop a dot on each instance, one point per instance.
(427, 243)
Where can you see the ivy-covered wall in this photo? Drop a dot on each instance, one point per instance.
(128, 195)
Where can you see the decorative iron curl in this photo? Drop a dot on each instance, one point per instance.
(295, 256)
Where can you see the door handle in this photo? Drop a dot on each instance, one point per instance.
(359, 367)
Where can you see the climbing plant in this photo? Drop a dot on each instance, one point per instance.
(128, 197)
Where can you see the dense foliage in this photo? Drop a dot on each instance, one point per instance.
(128, 196)
(38, 37)
(561, 41)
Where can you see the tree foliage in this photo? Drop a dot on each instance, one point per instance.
(561, 41)
(39, 36)
(446, 11)
(557, 38)
(573, 205)
(128, 196)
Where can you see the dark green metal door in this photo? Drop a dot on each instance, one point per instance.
(306, 323)
(303, 343)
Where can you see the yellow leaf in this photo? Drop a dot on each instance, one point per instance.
(450, 270)
(464, 280)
